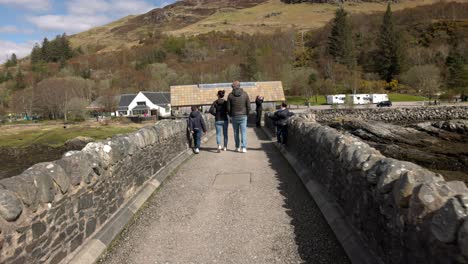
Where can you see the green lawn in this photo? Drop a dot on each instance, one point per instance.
(57, 135)
(405, 98)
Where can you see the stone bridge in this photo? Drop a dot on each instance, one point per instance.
(146, 198)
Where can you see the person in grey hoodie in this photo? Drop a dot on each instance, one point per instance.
(238, 107)
(197, 127)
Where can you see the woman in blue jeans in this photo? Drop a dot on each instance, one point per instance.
(219, 110)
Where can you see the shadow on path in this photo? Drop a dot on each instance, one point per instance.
(315, 240)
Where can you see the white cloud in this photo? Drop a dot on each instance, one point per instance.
(20, 49)
(34, 5)
(14, 30)
(84, 14)
(113, 8)
(68, 23)
(8, 29)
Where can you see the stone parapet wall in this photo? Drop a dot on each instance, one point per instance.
(414, 114)
(50, 209)
(406, 213)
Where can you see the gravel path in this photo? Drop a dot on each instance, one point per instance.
(230, 208)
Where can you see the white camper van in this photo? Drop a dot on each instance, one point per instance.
(377, 98)
(360, 98)
(336, 99)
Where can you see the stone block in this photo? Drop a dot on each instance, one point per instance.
(90, 227)
(76, 242)
(85, 202)
(447, 220)
(38, 229)
(58, 257)
(10, 206)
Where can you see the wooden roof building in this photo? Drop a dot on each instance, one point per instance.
(205, 94)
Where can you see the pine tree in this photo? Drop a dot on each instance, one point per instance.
(46, 50)
(19, 80)
(249, 70)
(340, 41)
(36, 54)
(457, 73)
(8, 76)
(14, 59)
(389, 57)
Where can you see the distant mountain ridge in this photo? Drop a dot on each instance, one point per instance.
(192, 17)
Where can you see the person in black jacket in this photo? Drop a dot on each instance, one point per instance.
(259, 109)
(281, 118)
(238, 107)
(219, 110)
(197, 127)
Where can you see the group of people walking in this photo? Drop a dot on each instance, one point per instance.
(237, 107)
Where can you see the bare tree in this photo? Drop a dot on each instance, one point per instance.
(53, 96)
(424, 78)
(22, 101)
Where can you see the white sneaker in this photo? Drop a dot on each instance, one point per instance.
(244, 150)
(225, 149)
(238, 150)
(219, 148)
(197, 151)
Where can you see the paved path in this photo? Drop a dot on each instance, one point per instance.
(230, 208)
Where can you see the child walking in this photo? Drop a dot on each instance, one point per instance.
(197, 127)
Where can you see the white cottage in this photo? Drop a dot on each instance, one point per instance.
(145, 104)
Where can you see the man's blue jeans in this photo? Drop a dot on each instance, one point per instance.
(222, 126)
(197, 138)
(240, 122)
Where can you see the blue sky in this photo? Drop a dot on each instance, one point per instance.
(25, 22)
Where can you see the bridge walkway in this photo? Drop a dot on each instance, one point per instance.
(230, 207)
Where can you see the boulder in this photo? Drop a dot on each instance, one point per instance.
(42, 175)
(427, 199)
(77, 165)
(100, 153)
(447, 220)
(58, 174)
(405, 185)
(389, 171)
(24, 187)
(10, 206)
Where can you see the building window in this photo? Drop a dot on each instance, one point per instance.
(141, 103)
(139, 112)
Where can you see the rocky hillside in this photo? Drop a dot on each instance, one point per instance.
(192, 17)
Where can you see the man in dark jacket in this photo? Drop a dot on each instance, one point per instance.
(259, 109)
(197, 127)
(238, 107)
(281, 118)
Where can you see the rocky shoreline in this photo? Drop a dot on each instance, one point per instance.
(440, 146)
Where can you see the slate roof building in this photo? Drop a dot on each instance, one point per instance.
(205, 94)
(145, 103)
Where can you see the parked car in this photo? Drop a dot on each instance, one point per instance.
(384, 103)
